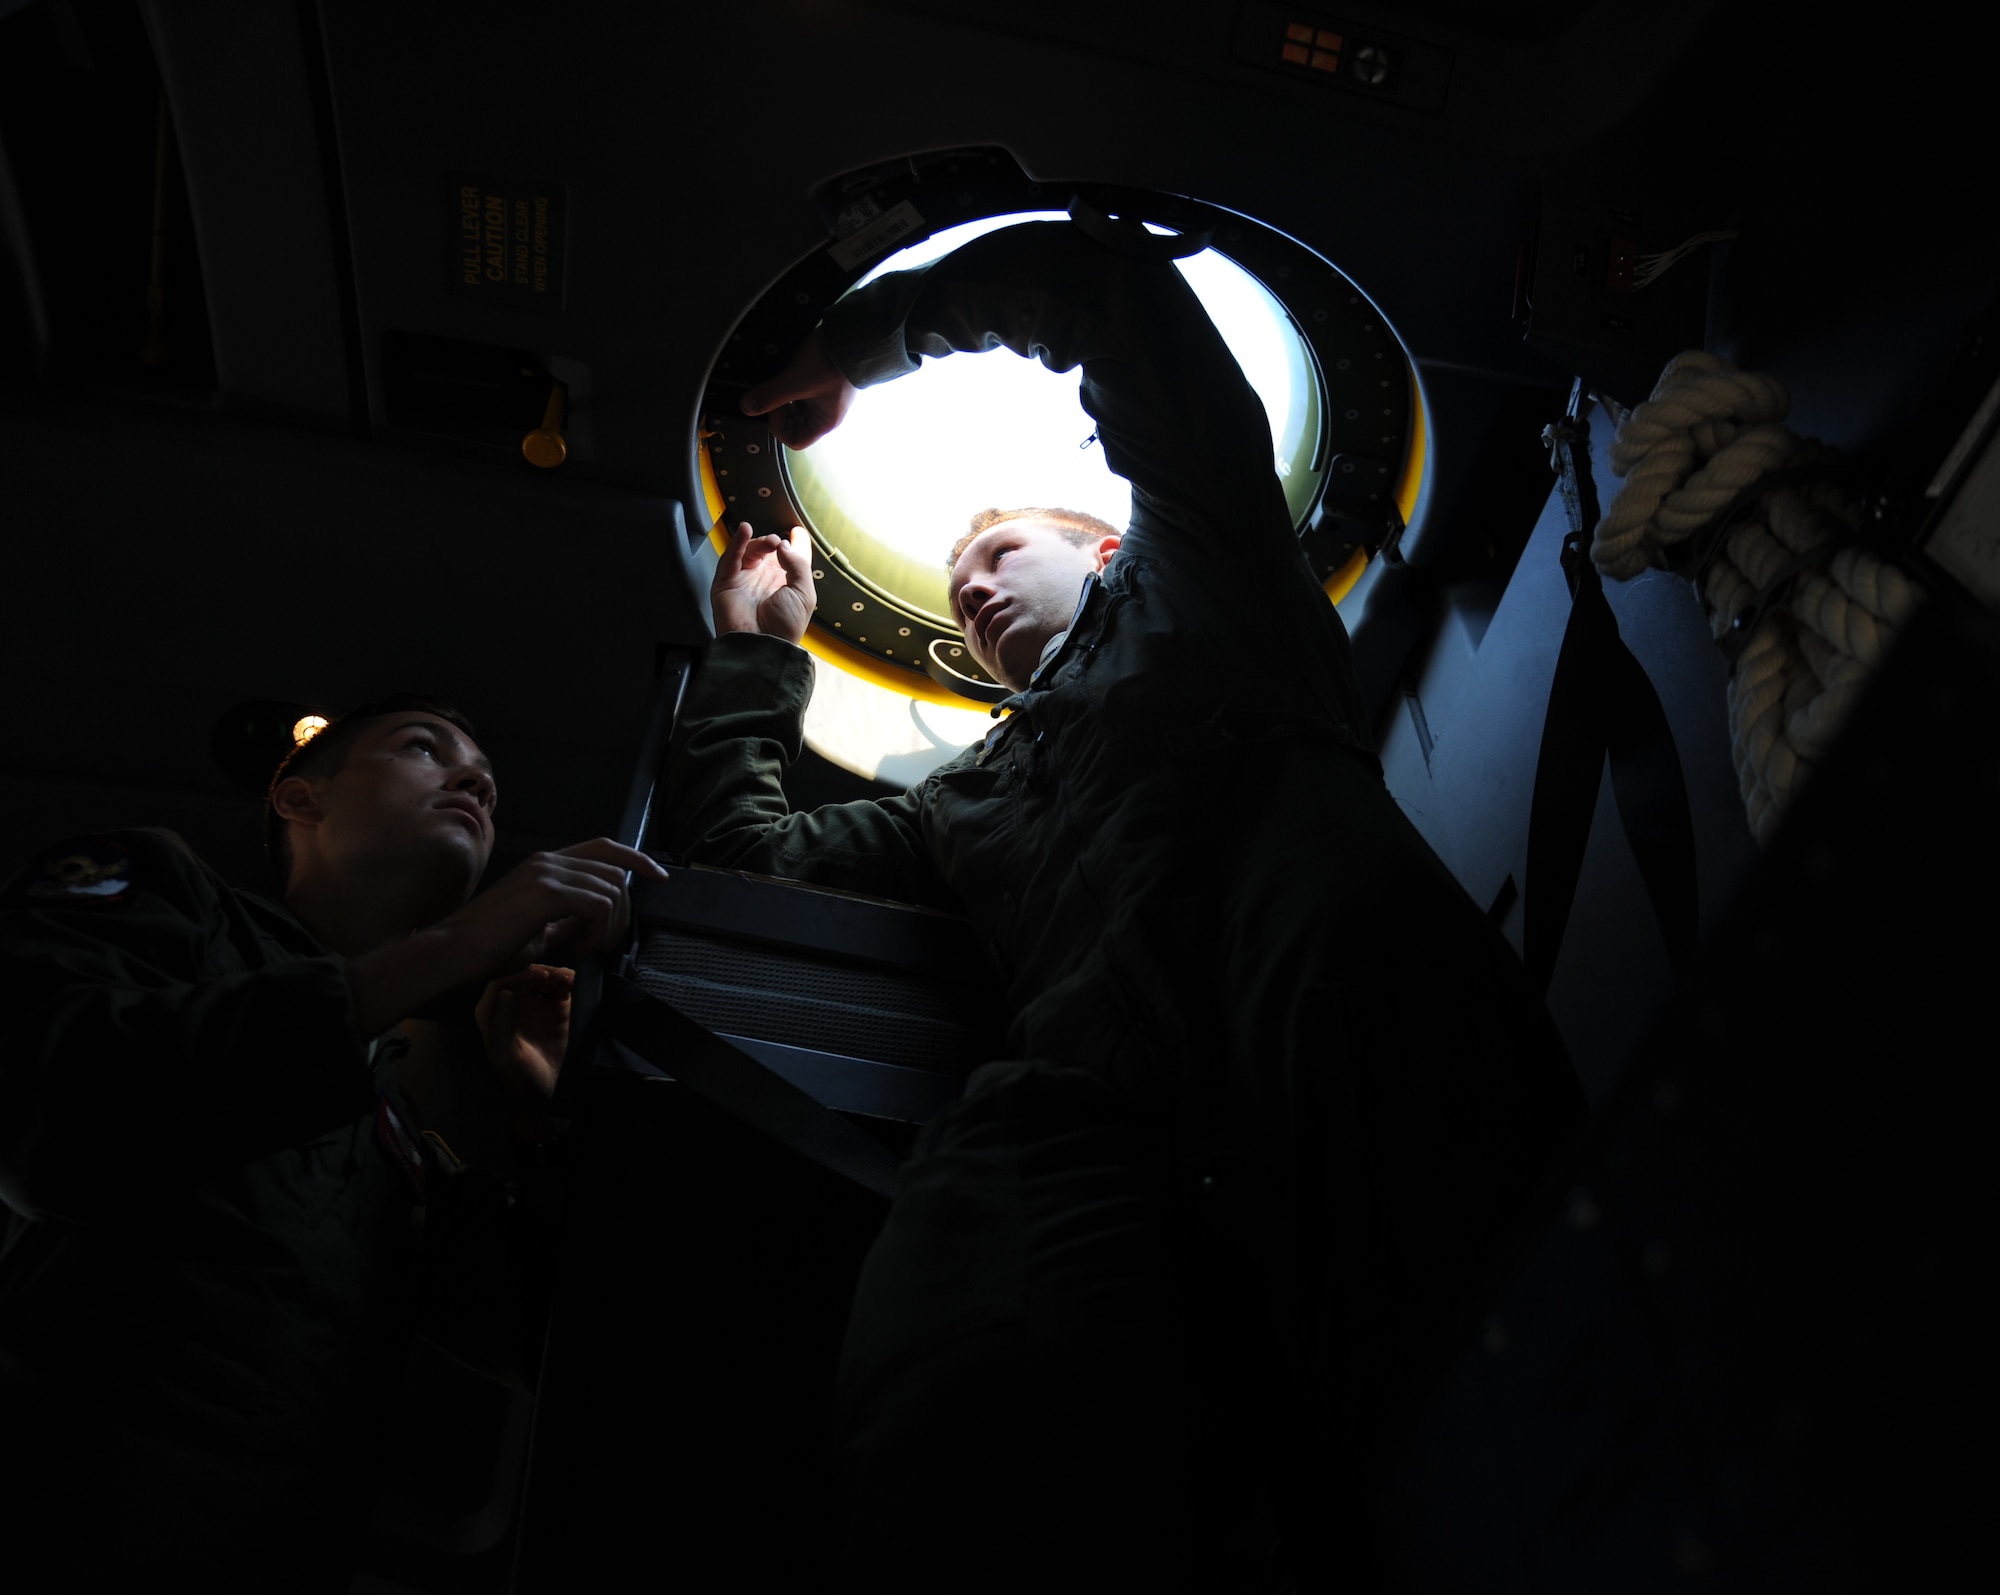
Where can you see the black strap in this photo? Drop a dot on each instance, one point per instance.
(1601, 705)
(740, 1085)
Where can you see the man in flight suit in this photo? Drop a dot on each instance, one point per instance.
(1273, 1081)
(210, 1174)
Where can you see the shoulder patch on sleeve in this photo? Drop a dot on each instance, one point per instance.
(87, 869)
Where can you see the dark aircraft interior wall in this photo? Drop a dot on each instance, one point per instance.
(262, 484)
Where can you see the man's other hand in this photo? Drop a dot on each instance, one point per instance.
(764, 584)
(806, 400)
(573, 900)
(524, 1018)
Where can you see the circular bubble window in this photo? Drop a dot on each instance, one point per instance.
(886, 495)
(895, 486)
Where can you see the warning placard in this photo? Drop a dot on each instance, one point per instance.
(504, 240)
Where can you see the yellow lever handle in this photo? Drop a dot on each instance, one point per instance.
(545, 445)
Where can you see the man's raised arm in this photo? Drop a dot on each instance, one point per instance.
(1175, 415)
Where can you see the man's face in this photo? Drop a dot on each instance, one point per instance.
(413, 788)
(1014, 587)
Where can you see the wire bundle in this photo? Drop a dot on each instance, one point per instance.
(1649, 269)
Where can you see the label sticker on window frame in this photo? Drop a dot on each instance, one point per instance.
(875, 237)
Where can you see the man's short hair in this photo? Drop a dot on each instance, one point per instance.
(1085, 531)
(324, 754)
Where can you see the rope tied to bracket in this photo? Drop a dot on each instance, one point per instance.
(1765, 523)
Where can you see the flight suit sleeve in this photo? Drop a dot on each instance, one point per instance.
(1175, 415)
(740, 729)
(137, 1044)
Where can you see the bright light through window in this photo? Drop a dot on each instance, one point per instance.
(882, 734)
(895, 487)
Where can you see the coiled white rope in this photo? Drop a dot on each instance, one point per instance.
(1707, 435)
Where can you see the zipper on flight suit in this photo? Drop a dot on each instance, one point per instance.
(1019, 707)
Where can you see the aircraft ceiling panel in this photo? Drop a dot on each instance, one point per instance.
(244, 128)
(686, 145)
(1500, 78)
(682, 147)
